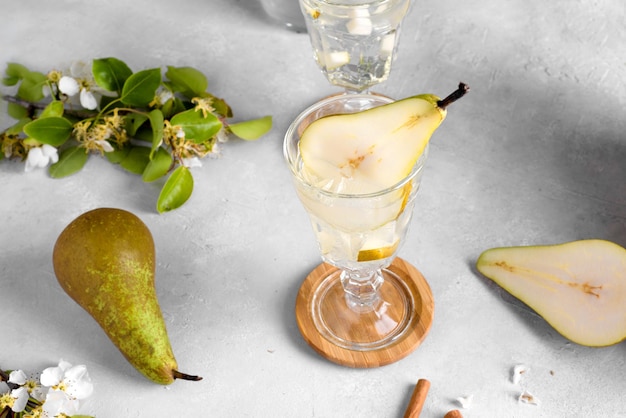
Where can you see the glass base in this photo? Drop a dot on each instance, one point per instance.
(344, 336)
(363, 328)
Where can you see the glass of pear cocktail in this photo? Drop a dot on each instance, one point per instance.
(354, 41)
(359, 224)
(357, 161)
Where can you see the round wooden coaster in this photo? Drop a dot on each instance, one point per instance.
(420, 320)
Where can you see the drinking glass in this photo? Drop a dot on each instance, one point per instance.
(286, 12)
(354, 41)
(362, 307)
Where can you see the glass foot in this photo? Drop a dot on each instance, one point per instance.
(375, 336)
(370, 327)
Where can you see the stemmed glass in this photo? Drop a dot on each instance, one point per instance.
(362, 306)
(354, 41)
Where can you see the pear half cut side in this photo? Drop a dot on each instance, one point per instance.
(578, 287)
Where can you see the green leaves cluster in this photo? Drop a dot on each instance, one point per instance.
(136, 115)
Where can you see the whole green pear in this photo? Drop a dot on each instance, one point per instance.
(105, 261)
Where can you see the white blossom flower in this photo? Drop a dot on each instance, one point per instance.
(21, 398)
(69, 86)
(18, 377)
(41, 157)
(80, 81)
(68, 385)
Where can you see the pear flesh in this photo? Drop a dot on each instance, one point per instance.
(105, 261)
(371, 150)
(578, 287)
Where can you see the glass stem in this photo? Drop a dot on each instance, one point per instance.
(361, 289)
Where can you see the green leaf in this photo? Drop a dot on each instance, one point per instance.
(197, 128)
(14, 73)
(134, 121)
(221, 107)
(16, 111)
(111, 73)
(18, 127)
(158, 166)
(117, 156)
(186, 80)
(31, 88)
(252, 129)
(32, 82)
(53, 130)
(176, 190)
(71, 160)
(140, 88)
(54, 108)
(156, 122)
(136, 160)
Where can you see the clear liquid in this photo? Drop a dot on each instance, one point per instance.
(353, 231)
(354, 45)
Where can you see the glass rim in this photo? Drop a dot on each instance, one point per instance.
(292, 160)
(359, 3)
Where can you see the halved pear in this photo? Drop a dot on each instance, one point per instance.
(578, 287)
(371, 150)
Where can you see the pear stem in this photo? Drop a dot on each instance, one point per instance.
(183, 376)
(454, 96)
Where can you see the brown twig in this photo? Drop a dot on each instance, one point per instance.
(417, 399)
(31, 107)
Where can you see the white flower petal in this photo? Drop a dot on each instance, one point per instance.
(529, 398)
(465, 401)
(34, 159)
(4, 388)
(106, 146)
(88, 100)
(517, 373)
(18, 377)
(192, 162)
(51, 376)
(80, 69)
(58, 402)
(64, 365)
(68, 86)
(21, 397)
(79, 382)
(39, 393)
(51, 152)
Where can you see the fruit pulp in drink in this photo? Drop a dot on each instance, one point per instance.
(353, 230)
(354, 44)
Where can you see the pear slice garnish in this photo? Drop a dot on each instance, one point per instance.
(374, 149)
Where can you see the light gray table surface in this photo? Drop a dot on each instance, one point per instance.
(535, 154)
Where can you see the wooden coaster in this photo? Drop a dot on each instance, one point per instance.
(420, 320)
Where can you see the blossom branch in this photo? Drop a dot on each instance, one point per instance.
(31, 107)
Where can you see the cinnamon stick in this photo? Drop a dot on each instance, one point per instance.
(417, 399)
(455, 413)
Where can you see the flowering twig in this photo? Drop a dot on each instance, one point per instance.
(31, 107)
(58, 392)
(153, 125)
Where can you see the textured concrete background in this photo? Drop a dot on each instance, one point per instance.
(536, 154)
